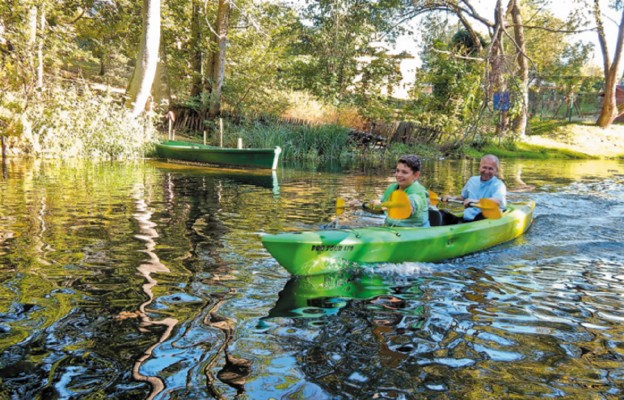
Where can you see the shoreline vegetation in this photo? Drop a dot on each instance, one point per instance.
(545, 140)
(102, 129)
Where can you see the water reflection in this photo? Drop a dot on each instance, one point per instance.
(364, 326)
(138, 281)
(323, 295)
(201, 197)
(261, 178)
(148, 234)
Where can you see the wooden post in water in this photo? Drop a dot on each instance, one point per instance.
(171, 119)
(220, 132)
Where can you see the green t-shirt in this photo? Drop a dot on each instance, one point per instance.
(418, 197)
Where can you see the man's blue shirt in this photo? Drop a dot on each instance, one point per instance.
(475, 188)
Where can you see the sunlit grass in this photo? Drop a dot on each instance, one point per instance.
(525, 151)
(306, 108)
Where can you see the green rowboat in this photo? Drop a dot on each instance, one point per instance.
(324, 251)
(219, 156)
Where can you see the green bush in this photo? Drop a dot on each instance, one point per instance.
(71, 123)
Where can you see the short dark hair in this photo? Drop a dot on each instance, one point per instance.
(412, 161)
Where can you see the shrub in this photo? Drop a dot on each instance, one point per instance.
(71, 123)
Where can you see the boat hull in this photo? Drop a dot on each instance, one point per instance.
(325, 251)
(219, 156)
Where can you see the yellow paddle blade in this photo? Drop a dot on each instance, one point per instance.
(433, 198)
(398, 205)
(489, 208)
(340, 206)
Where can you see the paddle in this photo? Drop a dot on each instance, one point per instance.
(489, 208)
(398, 205)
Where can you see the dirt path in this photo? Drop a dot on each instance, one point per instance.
(592, 140)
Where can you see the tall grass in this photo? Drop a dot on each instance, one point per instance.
(316, 143)
(299, 142)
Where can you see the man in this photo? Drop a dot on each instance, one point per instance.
(487, 185)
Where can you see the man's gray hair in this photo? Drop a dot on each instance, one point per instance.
(493, 158)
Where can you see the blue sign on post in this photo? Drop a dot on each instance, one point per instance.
(502, 101)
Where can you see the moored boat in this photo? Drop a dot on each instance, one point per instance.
(324, 251)
(219, 156)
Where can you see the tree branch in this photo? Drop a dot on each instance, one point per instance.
(455, 55)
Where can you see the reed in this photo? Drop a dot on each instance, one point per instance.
(299, 142)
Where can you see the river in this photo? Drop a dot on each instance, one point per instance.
(148, 280)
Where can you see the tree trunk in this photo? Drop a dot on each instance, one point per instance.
(32, 43)
(161, 87)
(609, 111)
(223, 15)
(42, 22)
(196, 53)
(497, 81)
(138, 93)
(520, 121)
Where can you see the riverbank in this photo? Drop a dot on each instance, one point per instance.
(586, 139)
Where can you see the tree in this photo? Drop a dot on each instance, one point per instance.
(530, 45)
(609, 110)
(337, 55)
(218, 57)
(108, 31)
(139, 89)
(493, 54)
(195, 50)
(453, 68)
(520, 122)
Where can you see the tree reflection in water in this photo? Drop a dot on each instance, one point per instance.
(146, 269)
(235, 370)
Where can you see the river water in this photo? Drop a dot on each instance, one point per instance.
(148, 280)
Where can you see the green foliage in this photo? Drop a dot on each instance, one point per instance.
(108, 32)
(336, 56)
(544, 46)
(456, 89)
(542, 127)
(74, 124)
(305, 142)
(465, 44)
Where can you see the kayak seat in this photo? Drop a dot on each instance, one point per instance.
(435, 217)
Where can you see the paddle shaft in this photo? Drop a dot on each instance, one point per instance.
(472, 204)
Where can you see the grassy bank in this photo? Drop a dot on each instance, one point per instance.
(559, 140)
(526, 151)
(322, 143)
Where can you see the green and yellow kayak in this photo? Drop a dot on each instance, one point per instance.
(324, 251)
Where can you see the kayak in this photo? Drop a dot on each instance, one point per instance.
(331, 250)
(315, 296)
(219, 156)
